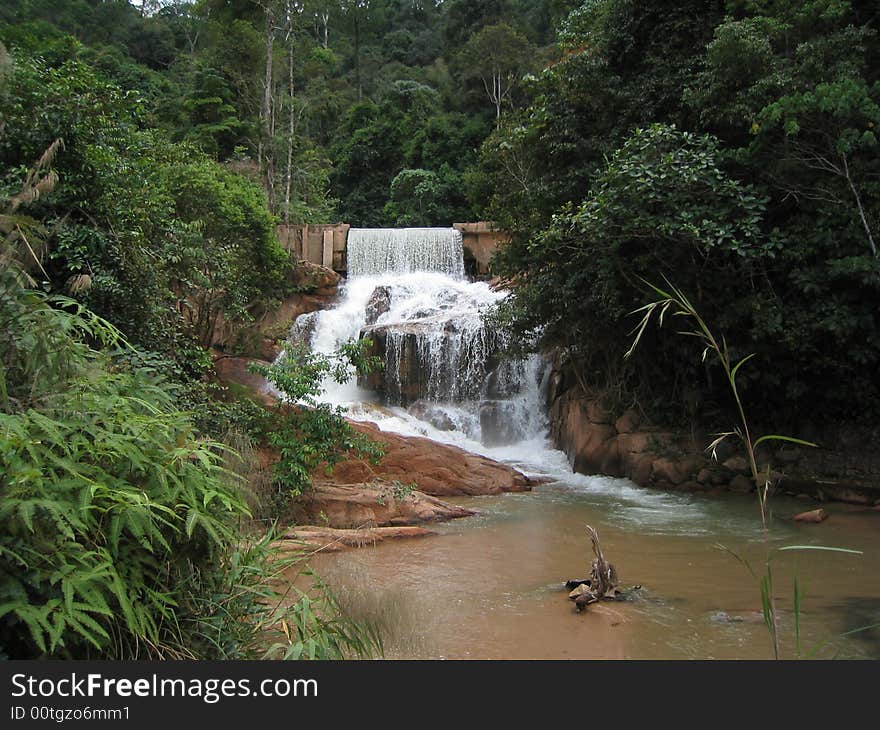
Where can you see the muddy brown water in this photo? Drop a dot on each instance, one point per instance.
(490, 586)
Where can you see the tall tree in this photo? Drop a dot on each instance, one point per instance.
(498, 56)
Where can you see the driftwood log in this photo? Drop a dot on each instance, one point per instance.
(602, 583)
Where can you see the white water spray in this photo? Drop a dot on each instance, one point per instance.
(444, 376)
(377, 251)
(464, 394)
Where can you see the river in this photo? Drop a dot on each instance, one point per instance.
(491, 586)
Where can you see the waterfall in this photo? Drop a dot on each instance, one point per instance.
(374, 251)
(444, 375)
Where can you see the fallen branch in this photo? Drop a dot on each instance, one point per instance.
(602, 583)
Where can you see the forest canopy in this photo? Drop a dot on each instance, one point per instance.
(731, 144)
(150, 149)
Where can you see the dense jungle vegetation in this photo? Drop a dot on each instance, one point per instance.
(148, 150)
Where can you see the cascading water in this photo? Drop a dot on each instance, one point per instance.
(377, 251)
(443, 375)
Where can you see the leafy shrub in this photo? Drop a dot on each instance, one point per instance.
(662, 203)
(109, 501)
(306, 432)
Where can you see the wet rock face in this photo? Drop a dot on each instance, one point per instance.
(500, 385)
(434, 359)
(402, 379)
(436, 469)
(497, 425)
(433, 414)
(303, 329)
(378, 304)
(628, 446)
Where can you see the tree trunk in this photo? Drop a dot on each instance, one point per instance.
(266, 154)
(292, 118)
(357, 55)
(861, 208)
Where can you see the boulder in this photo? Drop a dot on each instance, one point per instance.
(436, 469)
(634, 443)
(737, 464)
(369, 505)
(629, 422)
(496, 426)
(499, 386)
(329, 539)
(638, 468)
(403, 379)
(597, 451)
(814, 516)
(711, 475)
(591, 446)
(669, 470)
(432, 413)
(742, 484)
(378, 304)
(437, 356)
(303, 330)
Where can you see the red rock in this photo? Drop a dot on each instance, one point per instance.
(814, 516)
(436, 469)
(628, 422)
(234, 370)
(635, 443)
(638, 468)
(737, 463)
(742, 484)
(370, 505)
(598, 413)
(669, 470)
(328, 539)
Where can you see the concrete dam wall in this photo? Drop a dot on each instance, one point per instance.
(327, 244)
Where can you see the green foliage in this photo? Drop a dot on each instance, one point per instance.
(785, 258)
(270, 86)
(166, 238)
(418, 197)
(306, 432)
(109, 500)
(213, 124)
(229, 258)
(662, 203)
(253, 611)
(400, 162)
(122, 526)
(623, 66)
(496, 57)
(677, 302)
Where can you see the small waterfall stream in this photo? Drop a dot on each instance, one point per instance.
(443, 374)
(377, 251)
